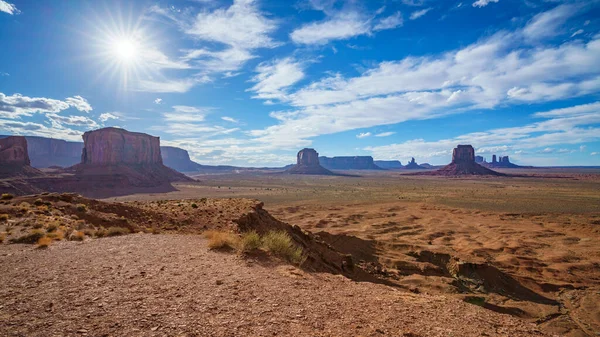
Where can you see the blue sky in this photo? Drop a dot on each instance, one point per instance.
(250, 82)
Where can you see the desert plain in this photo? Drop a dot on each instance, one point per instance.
(470, 256)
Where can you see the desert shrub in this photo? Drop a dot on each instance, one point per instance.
(7, 196)
(2, 237)
(51, 227)
(194, 206)
(81, 208)
(250, 241)
(4, 217)
(280, 244)
(38, 202)
(203, 200)
(77, 236)
(116, 231)
(57, 235)
(100, 233)
(31, 237)
(221, 240)
(44, 242)
(37, 225)
(88, 232)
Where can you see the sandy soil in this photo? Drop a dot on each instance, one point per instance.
(172, 285)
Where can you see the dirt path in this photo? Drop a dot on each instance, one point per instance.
(172, 285)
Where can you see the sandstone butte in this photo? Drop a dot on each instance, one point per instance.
(14, 158)
(307, 162)
(463, 163)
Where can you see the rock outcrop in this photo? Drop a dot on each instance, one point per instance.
(117, 158)
(463, 163)
(307, 162)
(178, 159)
(500, 162)
(479, 159)
(389, 164)
(14, 158)
(412, 165)
(349, 163)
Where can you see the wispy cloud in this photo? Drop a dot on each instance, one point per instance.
(385, 134)
(8, 8)
(230, 119)
(18, 105)
(275, 76)
(483, 3)
(363, 135)
(420, 13)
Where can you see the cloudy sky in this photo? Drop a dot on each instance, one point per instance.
(250, 82)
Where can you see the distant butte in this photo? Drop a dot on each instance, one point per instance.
(14, 158)
(412, 165)
(463, 163)
(307, 162)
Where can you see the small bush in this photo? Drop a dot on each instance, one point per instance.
(7, 196)
(280, 243)
(100, 233)
(38, 202)
(2, 237)
(116, 231)
(81, 208)
(31, 237)
(77, 236)
(3, 217)
(194, 206)
(221, 240)
(51, 227)
(44, 242)
(57, 235)
(37, 225)
(250, 241)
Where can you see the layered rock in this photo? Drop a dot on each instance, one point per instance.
(178, 159)
(349, 163)
(119, 158)
(14, 158)
(111, 146)
(412, 165)
(463, 163)
(48, 152)
(389, 164)
(479, 159)
(307, 162)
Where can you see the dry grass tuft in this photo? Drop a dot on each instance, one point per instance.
(250, 241)
(280, 244)
(31, 237)
(2, 237)
(81, 208)
(4, 217)
(77, 236)
(7, 196)
(116, 231)
(44, 242)
(221, 240)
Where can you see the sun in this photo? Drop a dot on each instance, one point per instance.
(124, 49)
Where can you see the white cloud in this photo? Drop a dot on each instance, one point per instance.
(9, 8)
(555, 130)
(340, 27)
(158, 101)
(79, 121)
(389, 22)
(168, 85)
(547, 24)
(230, 119)
(594, 153)
(580, 31)
(275, 76)
(483, 3)
(186, 114)
(106, 116)
(363, 135)
(385, 134)
(34, 129)
(18, 105)
(417, 14)
(582, 148)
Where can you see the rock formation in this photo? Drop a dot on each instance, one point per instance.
(119, 158)
(500, 162)
(412, 165)
(14, 158)
(307, 162)
(463, 163)
(389, 164)
(178, 159)
(479, 159)
(349, 163)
